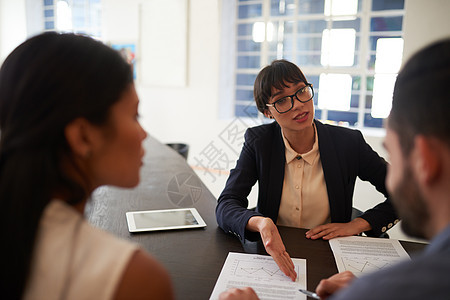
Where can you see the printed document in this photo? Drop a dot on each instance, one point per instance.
(262, 274)
(362, 255)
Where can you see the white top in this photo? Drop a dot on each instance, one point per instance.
(304, 199)
(74, 260)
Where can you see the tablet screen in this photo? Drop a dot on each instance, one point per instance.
(164, 219)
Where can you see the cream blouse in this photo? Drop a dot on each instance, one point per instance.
(304, 199)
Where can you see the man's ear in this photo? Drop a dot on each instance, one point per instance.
(427, 159)
(80, 136)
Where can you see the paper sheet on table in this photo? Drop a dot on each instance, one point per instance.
(362, 255)
(262, 274)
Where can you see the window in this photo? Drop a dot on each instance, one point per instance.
(81, 16)
(350, 50)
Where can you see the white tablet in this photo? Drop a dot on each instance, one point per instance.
(165, 219)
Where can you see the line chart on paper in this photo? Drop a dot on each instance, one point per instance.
(360, 266)
(361, 255)
(262, 274)
(263, 271)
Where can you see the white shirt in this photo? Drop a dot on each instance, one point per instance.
(74, 260)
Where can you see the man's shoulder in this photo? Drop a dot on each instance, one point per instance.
(425, 277)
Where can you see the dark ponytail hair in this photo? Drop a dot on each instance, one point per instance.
(45, 83)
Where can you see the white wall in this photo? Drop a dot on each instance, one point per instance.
(12, 25)
(177, 114)
(425, 22)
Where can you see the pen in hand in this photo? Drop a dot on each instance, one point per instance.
(310, 294)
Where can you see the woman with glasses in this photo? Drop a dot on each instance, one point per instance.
(306, 171)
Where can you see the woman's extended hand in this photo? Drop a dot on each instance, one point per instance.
(333, 230)
(328, 287)
(273, 244)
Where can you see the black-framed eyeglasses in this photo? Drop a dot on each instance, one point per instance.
(303, 95)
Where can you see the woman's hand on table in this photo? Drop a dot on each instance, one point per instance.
(334, 230)
(273, 244)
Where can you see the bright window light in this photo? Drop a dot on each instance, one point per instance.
(338, 47)
(387, 64)
(389, 55)
(63, 16)
(258, 32)
(383, 89)
(335, 91)
(340, 7)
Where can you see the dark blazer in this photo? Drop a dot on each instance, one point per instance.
(345, 156)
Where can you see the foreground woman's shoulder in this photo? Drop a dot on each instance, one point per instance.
(144, 278)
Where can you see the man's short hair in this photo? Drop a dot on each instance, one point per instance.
(421, 101)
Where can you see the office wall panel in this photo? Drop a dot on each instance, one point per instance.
(164, 42)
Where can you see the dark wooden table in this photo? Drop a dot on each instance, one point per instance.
(194, 258)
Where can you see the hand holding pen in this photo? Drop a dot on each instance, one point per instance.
(309, 294)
